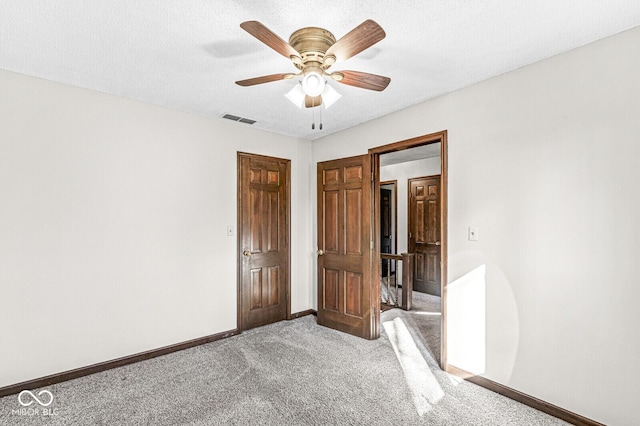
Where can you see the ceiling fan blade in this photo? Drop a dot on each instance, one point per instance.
(264, 79)
(268, 37)
(361, 79)
(310, 101)
(355, 41)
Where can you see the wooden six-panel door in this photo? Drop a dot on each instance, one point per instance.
(347, 298)
(263, 238)
(424, 233)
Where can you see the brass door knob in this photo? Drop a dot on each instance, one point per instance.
(246, 252)
(320, 252)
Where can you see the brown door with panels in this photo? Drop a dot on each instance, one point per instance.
(424, 233)
(263, 239)
(347, 298)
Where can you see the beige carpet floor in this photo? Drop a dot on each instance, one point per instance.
(289, 373)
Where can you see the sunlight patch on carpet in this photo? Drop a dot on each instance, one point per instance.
(424, 387)
(455, 380)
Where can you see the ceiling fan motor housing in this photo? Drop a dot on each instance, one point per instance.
(312, 43)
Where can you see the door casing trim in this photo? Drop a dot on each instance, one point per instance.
(375, 170)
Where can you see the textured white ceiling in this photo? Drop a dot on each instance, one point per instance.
(187, 54)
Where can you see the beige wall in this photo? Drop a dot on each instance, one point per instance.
(545, 161)
(113, 218)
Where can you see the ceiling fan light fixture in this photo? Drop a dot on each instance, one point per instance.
(313, 83)
(296, 95)
(329, 96)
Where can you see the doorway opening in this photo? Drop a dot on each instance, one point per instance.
(388, 222)
(433, 147)
(389, 244)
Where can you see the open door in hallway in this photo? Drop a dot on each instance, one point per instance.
(263, 239)
(347, 298)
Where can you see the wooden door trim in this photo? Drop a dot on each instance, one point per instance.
(239, 247)
(395, 211)
(399, 146)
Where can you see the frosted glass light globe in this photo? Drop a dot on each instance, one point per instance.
(313, 84)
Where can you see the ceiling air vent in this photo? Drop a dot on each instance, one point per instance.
(238, 119)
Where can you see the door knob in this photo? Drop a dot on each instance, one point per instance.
(320, 252)
(246, 252)
(437, 243)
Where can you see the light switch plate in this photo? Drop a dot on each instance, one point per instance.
(473, 233)
(229, 231)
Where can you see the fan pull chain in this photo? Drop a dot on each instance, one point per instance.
(313, 115)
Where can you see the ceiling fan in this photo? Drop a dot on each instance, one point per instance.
(313, 51)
